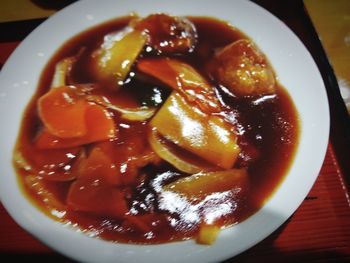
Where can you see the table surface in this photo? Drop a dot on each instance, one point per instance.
(332, 22)
(319, 231)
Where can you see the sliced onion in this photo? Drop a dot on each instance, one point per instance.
(169, 153)
(62, 69)
(138, 114)
(131, 114)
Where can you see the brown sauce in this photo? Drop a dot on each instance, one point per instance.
(269, 125)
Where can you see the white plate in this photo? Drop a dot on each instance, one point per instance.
(295, 69)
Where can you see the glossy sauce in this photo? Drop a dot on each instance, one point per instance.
(268, 125)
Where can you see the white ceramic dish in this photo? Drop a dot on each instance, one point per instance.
(295, 69)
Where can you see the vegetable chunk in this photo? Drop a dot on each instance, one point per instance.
(184, 79)
(93, 195)
(113, 61)
(202, 184)
(207, 136)
(182, 160)
(98, 123)
(207, 234)
(100, 165)
(63, 112)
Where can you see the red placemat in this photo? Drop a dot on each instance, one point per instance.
(6, 49)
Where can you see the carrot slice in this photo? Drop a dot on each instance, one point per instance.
(129, 157)
(160, 69)
(99, 124)
(183, 78)
(63, 112)
(45, 140)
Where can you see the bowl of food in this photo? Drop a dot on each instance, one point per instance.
(158, 132)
